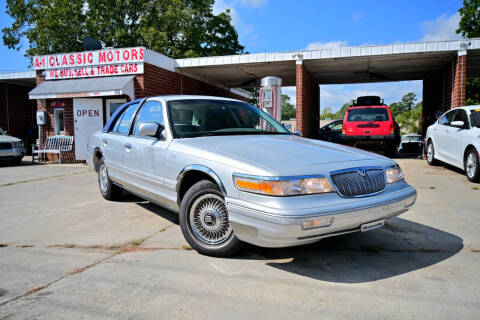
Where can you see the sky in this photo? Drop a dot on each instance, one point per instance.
(282, 25)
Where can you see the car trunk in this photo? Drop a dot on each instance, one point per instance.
(368, 121)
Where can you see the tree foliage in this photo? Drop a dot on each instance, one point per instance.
(469, 27)
(407, 113)
(176, 28)
(327, 113)
(406, 104)
(288, 109)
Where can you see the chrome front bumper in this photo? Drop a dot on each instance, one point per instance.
(8, 154)
(268, 230)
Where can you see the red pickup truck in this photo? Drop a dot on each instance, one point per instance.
(370, 122)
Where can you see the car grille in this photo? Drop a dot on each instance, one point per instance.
(359, 182)
(5, 145)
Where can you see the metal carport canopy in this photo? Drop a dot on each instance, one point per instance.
(86, 87)
(379, 63)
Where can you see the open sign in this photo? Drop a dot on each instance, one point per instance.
(88, 113)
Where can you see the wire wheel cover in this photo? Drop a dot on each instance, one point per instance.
(209, 220)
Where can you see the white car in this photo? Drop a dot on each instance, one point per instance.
(11, 148)
(455, 139)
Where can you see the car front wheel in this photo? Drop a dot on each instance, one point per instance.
(108, 190)
(204, 221)
(472, 166)
(431, 154)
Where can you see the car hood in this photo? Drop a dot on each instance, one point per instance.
(8, 139)
(276, 154)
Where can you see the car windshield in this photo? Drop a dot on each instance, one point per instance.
(475, 118)
(200, 117)
(368, 114)
(2, 133)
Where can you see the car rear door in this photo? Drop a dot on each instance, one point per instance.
(456, 138)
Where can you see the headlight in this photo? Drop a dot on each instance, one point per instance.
(394, 174)
(18, 144)
(282, 186)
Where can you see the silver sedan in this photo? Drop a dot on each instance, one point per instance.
(236, 175)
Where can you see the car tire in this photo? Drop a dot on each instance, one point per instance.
(431, 154)
(472, 165)
(17, 161)
(204, 221)
(108, 190)
(390, 150)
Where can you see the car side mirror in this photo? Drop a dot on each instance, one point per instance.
(458, 124)
(150, 129)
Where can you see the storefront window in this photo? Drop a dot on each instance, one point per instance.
(59, 122)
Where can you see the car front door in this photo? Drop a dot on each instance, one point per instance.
(457, 137)
(114, 145)
(145, 161)
(441, 132)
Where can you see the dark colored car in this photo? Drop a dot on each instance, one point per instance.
(332, 132)
(411, 144)
(370, 122)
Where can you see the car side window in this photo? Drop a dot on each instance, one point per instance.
(123, 123)
(447, 118)
(337, 127)
(152, 111)
(461, 115)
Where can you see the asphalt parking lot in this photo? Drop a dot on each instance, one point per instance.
(65, 253)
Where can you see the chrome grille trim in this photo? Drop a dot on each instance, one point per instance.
(359, 182)
(6, 145)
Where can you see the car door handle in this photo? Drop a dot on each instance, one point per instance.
(105, 142)
(128, 146)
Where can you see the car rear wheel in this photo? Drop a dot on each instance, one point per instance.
(472, 166)
(431, 154)
(108, 190)
(204, 221)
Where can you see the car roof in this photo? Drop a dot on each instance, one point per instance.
(190, 97)
(471, 107)
(378, 106)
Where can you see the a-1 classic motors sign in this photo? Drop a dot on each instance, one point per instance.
(105, 62)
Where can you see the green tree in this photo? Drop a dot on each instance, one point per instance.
(409, 120)
(176, 28)
(469, 27)
(406, 104)
(288, 109)
(340, 114)
(327, 113)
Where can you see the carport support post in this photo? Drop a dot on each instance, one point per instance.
(458, 96)
(308, 101)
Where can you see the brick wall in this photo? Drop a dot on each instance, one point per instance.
(158, 81)
(17, 112)
(308, 103)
